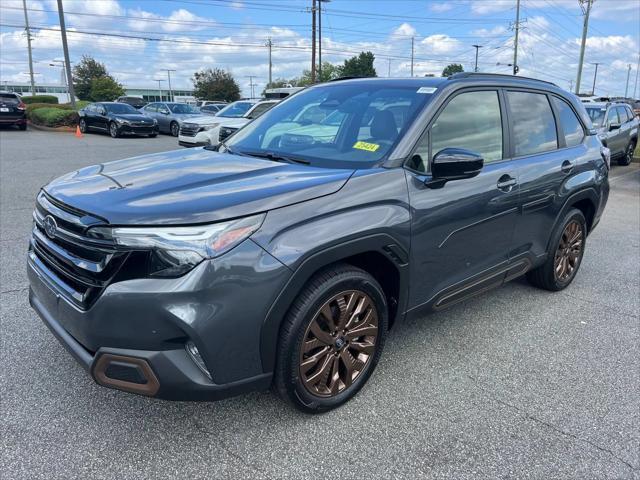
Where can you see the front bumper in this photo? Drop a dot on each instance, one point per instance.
(182, 143)
(143, 325)
(138, 130)
(13, 120)
(200, 139)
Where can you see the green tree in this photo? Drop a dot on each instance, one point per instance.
(329, 72)
(451, 69)
(215, 84)
(359, 66)
(84, 73)
(105, 89)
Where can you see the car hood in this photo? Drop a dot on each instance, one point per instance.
(184, 116)
(202, 120)
(197, 186)
(234, 122)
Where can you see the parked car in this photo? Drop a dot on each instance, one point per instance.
(618, 128)
(13, 111)
(170, 115)
(204, 103)
(135, 102)
(116, 119)
(212, 108)
(636, 108)
(214, 272)
(207, 130)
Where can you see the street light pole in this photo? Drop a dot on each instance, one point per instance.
(170, 90)
(477, 47)
(159, 80)
(595, 75)
(626, 88)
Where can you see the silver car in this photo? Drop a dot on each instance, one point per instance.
(617, 128)
(170, 115)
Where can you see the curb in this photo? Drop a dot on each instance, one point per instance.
(52, 129)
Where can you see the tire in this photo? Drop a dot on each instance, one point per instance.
(153, 135)
(627, 157)
(174, 129)
(113, 130)
(338, 288)
(22, 126)
(563, 260)
(83, 125)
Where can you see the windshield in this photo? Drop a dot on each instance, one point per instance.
(338, 125)
(235, 110)
(120, 108)
(597, 115)
(182, 108)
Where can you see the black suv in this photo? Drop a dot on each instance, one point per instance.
(283, 256)
(13, 111)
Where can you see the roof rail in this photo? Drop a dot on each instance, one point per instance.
(459, 75)
(346, 78)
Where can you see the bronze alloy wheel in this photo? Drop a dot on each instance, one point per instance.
(569, 251)
(338, 343)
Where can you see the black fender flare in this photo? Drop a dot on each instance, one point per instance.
(588, 193)
(311, 264)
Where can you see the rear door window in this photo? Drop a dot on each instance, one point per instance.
(571, 126)
(532, 123)
(612, 117)
(622, 114)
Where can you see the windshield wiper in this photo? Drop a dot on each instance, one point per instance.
(278, 158)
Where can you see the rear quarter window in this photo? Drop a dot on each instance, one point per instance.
(570, 125)
(532, 123)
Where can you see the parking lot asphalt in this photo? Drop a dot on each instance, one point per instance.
(518, 383)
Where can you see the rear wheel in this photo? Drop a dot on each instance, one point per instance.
(22, 126)
(113, 130)
(331, 340)
(628, 154)
(83, 125)
(175, 129)
(153, 135)
(565, 254)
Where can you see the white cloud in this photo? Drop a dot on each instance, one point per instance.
(405, 29)
(440, 7)
(440, 44)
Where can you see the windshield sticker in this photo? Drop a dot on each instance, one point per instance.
(369, 147)
(427, 89)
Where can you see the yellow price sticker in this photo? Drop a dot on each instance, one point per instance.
(369, 147)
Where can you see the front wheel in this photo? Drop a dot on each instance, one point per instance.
(331, 339)
(113, 130)
(565, 254)
(175, 129)
(83, 125)
(628, 154)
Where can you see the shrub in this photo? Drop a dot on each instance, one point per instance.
(48, 99)
(53, 117)
(33, 106)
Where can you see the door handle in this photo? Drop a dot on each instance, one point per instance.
(506, 183)
(567, 166)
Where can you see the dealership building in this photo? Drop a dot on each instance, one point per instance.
(62, 92)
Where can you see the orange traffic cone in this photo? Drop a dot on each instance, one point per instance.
(78, 132)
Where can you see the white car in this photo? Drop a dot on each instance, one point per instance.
(211, 130)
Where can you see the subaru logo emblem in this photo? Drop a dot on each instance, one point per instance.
(50, 226)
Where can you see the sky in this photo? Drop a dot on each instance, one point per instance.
(138, 40)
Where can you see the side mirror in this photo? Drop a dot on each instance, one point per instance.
(103, 111)
(614, 126)
(455, 164)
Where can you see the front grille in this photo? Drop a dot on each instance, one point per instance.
(225, 132)
(78, 266)
(189, 129)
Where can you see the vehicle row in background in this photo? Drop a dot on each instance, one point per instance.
(117, 119)
(617, 128)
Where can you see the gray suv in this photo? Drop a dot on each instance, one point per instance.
(617, 127)
(283, 257)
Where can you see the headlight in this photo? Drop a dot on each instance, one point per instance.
(122, 121)
(209, 127)
(176, 250)
(155, 122)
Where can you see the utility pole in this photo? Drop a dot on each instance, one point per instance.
(412, 42)
(477, 47)
(170, 89)
(251, 84)
(313, 41)
(26, 27)
(626, 89)
(585, 27)
(515, 43)
(635, 87)
(595, 74)
(67, 62)
(269, 45)
(159, 80)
